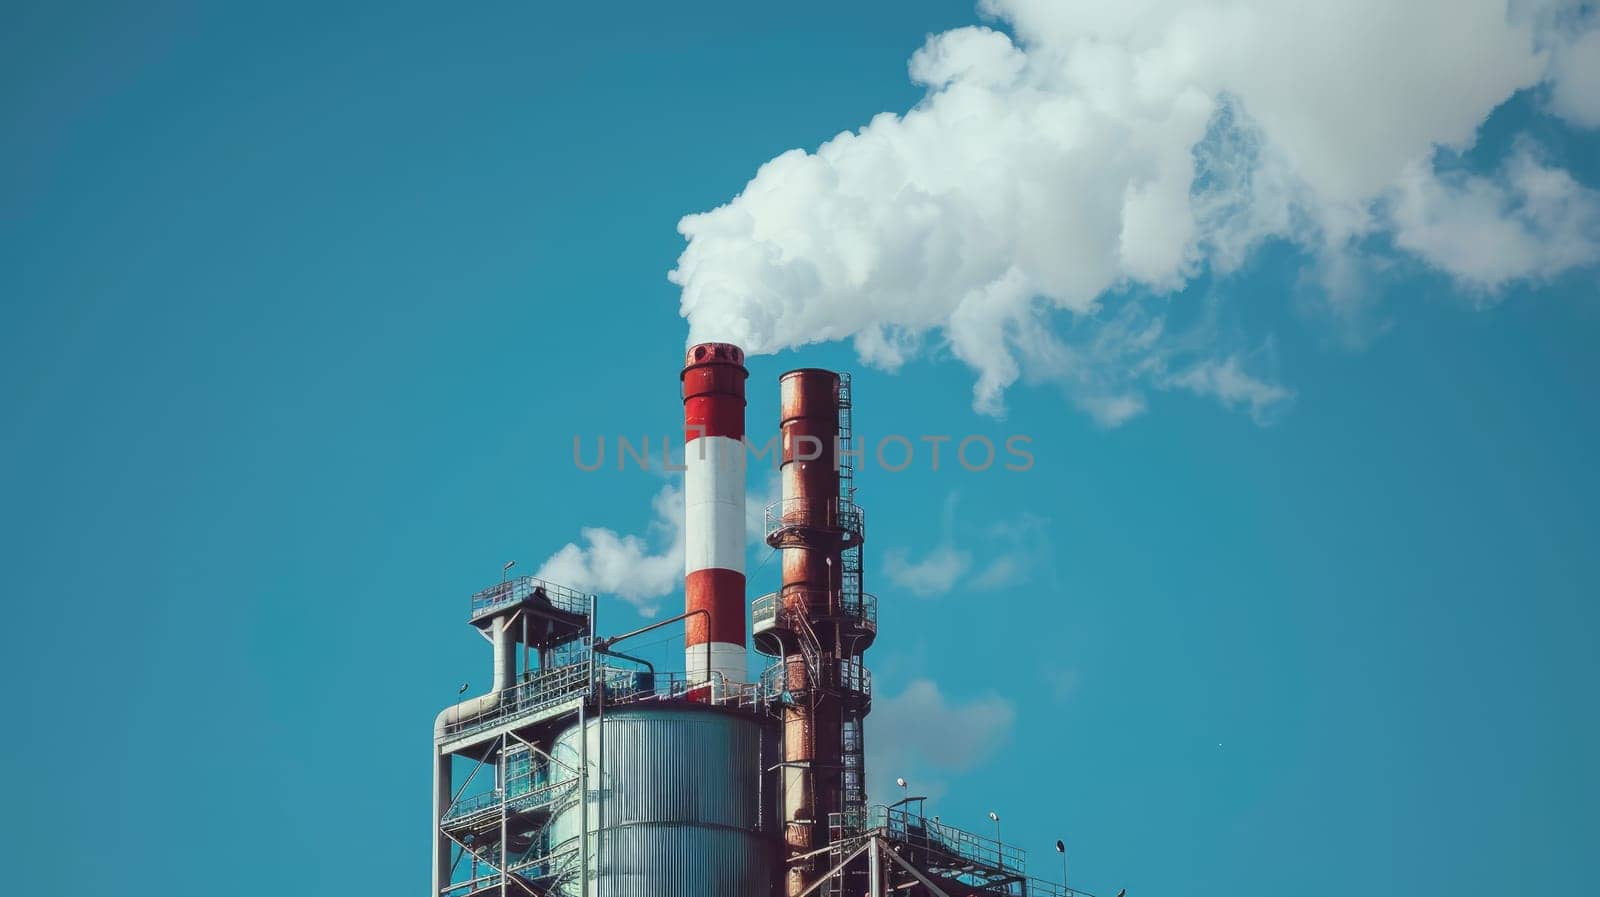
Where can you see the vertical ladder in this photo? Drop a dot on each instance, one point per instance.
(850, 558)
(847, 470)
(855, 794)
(850, 578)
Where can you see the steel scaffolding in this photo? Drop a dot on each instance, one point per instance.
(897, 850)
(494, 825)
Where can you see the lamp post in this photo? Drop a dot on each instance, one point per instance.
(904, 789)
(999, 848)
(829, 562)
(1061, 848)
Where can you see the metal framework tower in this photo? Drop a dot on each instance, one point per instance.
(500, 831)
(820, 621)
(591, 774)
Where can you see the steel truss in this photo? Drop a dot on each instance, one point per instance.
(897, 851)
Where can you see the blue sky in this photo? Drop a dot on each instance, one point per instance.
(300, 311)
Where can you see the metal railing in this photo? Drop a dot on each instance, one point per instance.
(830, 513)
(546, 869)
(1038, 887)
(543, 691)
(860, 606)
(843, 674)
(928, 838)
(466, 806)
(529, 797)
(515, 591)
(623, 685)
(635, 687)
(764, 610)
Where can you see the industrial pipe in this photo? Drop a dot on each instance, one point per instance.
(714, 520)
(813, 729)
(505, 662)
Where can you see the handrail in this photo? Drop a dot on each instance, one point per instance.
(514, 591)
(532, 797)
(862, 606)
(648, 687)
(1039, 887)
(623, 685)
(553, 687)
(764, 610)
(539, 862)
(920, 833)
(834, 513)
(552, 866)
(849, 675)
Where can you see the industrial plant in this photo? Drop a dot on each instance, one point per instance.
(585, 771)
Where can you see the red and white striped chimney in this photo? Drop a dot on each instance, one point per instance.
(713, 491)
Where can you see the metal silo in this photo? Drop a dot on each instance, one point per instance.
(682, 808)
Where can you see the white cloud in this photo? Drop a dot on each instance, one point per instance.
(1226, 381)
(1109, 151)
(920, 732)
(1573, 76)
(940, 569)
(1530, 221)
(641, 569)
(1569, 32)
(1010, 550)
(934, 574)
(1002, 571)
(627, 566)
(1019, 548)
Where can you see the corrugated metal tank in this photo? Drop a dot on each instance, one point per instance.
(687, 807)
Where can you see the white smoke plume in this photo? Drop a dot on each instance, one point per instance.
(641, 569)
(627, 566)
(1070, 166)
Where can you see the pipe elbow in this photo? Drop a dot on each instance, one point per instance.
(466, 711)
(442, 722)
(505, 660)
